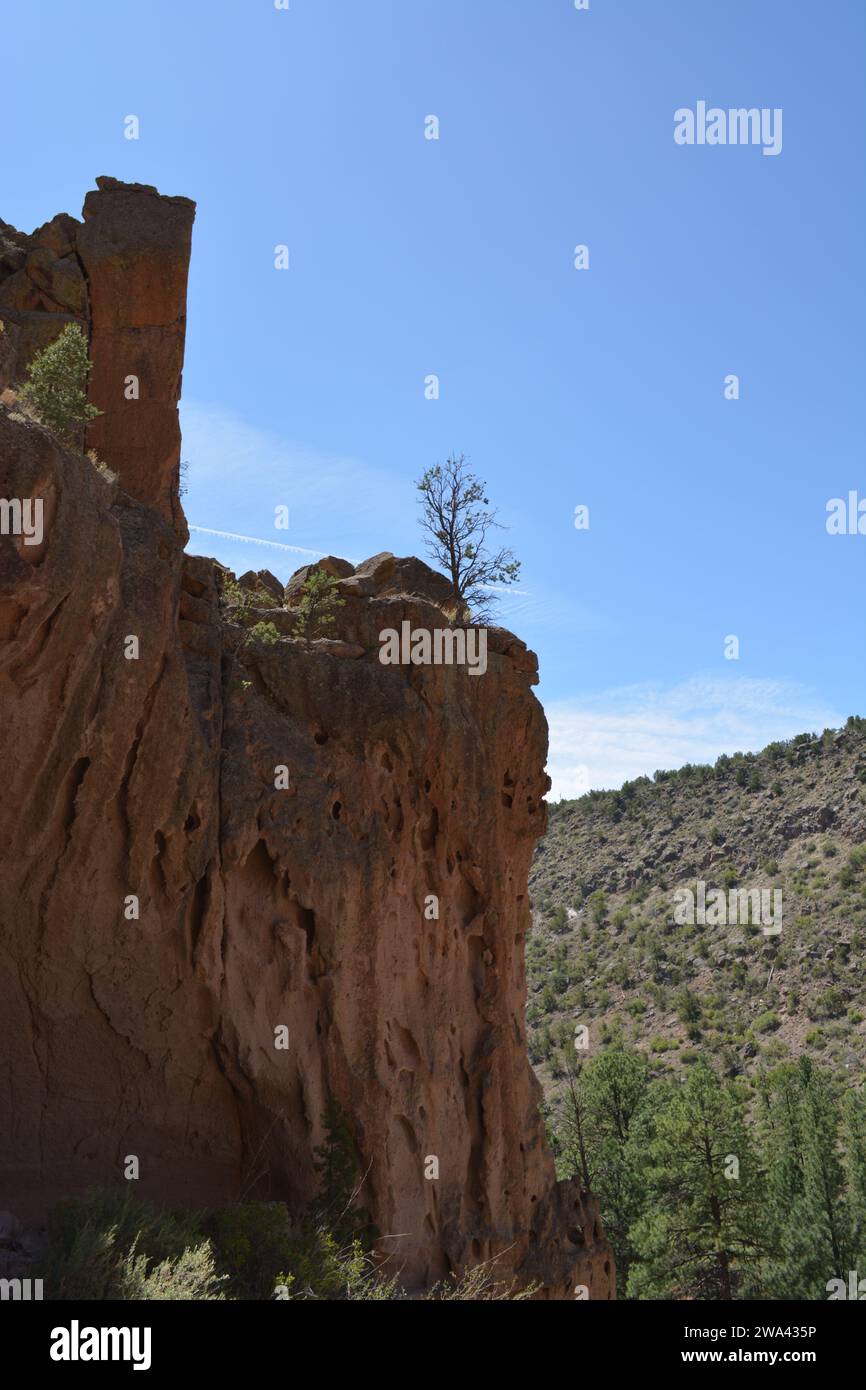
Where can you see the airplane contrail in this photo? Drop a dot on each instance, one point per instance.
(256, 540)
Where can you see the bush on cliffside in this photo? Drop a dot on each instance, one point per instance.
(55, 388)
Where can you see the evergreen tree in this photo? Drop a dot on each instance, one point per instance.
(700, 1235)
(854, 1140)
(338, 1166)
(603, 1099)
(55, 388)
(318, 605)
(809, 1227)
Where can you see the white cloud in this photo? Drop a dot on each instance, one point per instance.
(603, 740)
(533, 613)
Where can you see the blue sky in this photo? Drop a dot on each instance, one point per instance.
(601, 387)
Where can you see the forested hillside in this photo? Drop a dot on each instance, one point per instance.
(703, 1061)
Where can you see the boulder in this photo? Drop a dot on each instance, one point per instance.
(329, 564)
(262, 581)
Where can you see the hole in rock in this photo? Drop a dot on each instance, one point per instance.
(307, 922)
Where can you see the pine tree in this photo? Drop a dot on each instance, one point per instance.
(318, 605)
(700, 1236)
(338, 1166)
(854, 1140)
(603, 1099)
(809, 1222)
(55, 388)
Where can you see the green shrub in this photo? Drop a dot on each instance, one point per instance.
(767, 1022)
(252, 1243)
(55, 387)
(233, 596)
(108, 1245)
(852, 870)
(598, 907)
(318, 605)
(688, 1006)
(558, 918)
(192, 1275)
(264, 632)
(829, 1004)
(319, 1267)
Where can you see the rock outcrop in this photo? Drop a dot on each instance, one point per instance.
(209, 839)
(121, 276)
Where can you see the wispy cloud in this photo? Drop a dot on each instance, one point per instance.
(239, 473)
(604, 739)
(539, 610)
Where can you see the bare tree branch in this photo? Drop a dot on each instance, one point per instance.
(457, 520)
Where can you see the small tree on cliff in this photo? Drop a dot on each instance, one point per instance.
(55, 388)
(457, 522)
(318, 605)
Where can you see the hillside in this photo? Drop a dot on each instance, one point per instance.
(605, 949)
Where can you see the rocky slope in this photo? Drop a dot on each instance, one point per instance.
(607, 951)
(209, 839)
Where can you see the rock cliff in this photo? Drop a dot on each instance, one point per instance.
(121, 276)
(214, 845)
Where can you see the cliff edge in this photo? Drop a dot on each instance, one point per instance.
(244, 880)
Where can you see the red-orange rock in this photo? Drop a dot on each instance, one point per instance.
(155, 783)
(135, 247)
(121, 275)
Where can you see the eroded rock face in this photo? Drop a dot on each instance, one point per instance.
(167, 902)
(121, 275)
